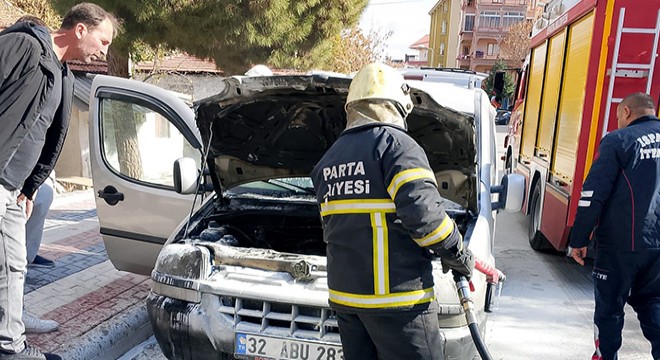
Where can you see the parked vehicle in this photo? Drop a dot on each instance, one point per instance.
(503, 116)
(244, 275)
(586, 56)
(460, 77)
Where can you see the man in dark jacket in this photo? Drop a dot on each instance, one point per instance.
(383, 222)
(36, 95)
(621, 199)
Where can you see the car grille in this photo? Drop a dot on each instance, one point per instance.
(300, 321)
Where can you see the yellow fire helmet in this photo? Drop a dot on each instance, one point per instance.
(381, 82)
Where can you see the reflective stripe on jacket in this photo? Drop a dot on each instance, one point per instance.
(621, 196)
(382, 214)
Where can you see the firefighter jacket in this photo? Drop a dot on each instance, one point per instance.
(621, 196)
(382, 216)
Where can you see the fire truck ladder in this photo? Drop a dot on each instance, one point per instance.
(630, 70)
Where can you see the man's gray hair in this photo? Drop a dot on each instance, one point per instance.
(89, 14)
(638, 101)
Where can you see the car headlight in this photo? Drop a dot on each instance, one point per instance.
(178, 271)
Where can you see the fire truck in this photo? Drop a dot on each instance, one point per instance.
(586, 55)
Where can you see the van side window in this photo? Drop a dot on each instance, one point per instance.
(140, 143)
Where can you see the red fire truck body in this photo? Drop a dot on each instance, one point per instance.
(586, 55)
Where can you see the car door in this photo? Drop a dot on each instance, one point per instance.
(137, 131)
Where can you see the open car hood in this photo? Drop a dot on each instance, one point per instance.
(261, 128)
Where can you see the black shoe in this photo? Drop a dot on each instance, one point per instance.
(40, 261)
(29, 353)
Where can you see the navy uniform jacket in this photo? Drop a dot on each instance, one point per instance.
(621, 196)
(382, 214)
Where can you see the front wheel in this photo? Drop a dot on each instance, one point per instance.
(537, 241)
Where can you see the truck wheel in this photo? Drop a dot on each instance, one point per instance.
(537, 241)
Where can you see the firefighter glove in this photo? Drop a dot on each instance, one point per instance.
(462, 263)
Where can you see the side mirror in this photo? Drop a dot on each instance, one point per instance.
(511, 193)
(185, 176)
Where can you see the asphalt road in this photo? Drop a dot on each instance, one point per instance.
(546, 306)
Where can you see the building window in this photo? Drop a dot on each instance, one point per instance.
(511, 18)
(469, 23)
(442, 49)
(498, 1)
(522, 2)
(489, 20)
(445, 7)
(466, 50)
(492, 49)
(443, 27)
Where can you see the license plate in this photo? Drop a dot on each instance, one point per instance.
(265, 347)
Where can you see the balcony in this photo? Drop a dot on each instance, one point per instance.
(466, 36)
(502, 3)
(482, 59)
(464, 60)
(491, 33)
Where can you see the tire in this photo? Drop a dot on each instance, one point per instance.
(537, 241)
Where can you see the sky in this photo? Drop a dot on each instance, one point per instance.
(409, 20)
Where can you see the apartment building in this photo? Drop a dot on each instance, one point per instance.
(421, 58)
(444, 33)
(484, 25)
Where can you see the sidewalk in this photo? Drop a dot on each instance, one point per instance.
(100, 309)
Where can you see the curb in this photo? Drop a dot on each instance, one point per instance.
(111, 339)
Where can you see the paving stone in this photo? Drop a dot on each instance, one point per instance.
(95, 304)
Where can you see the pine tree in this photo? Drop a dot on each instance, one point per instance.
(509, 86)
(234, 33)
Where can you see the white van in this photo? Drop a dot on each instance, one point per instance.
(460, 77)
(241, 272)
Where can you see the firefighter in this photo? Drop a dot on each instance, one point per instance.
(383, 224)
(621, 199)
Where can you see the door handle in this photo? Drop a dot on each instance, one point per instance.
(111, 195)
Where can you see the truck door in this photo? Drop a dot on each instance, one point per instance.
(137, 130)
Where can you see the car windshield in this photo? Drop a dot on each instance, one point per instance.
(296, 188)
(279, 187)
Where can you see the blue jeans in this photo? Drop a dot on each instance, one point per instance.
(34, 228)
(632, 277)
(13, 263)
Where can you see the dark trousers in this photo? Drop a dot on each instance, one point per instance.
(395, 335)
(621, 277)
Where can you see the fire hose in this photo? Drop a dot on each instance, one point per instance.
(464, 287)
